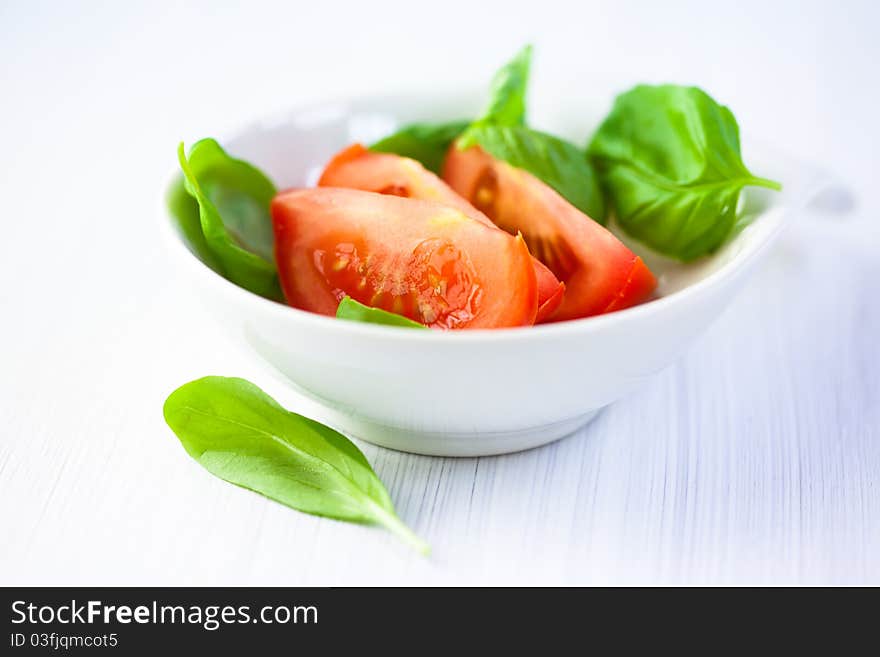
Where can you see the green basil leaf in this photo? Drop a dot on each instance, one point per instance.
(507, 93)
(185, 210)
(558, 163)
(231, 199)
(429, 142)
(358, 312)
(425, 142)
(669, 159)
(240, 434)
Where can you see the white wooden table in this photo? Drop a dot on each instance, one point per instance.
(755, 459)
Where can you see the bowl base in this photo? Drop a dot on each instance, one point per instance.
(438, 443)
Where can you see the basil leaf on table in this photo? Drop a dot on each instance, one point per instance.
(669, 159)
(240, 434)
(425, 142)
(231, 200)
(556, 162)
(358, 312)
(507, 92)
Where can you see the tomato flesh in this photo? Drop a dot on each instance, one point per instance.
(600, 273)
(356, 167)
(438, 284)
(420, 259)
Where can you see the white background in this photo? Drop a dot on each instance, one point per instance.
(755, 459)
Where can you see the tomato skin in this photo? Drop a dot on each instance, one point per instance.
(640, 284)
(356, 167)
(600, 273)
(551, 292)
(420, 259)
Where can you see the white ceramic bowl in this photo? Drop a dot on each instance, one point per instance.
(471, 393)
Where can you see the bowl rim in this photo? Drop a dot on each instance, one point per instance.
(175, 244)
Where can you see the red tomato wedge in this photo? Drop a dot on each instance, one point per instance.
(426, 261)
(600, 273)
(356, 167)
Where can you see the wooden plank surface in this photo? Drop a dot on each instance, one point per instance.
(755, 459)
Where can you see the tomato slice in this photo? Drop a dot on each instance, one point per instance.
(423, 260)
(356, 167)
(600, 273)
